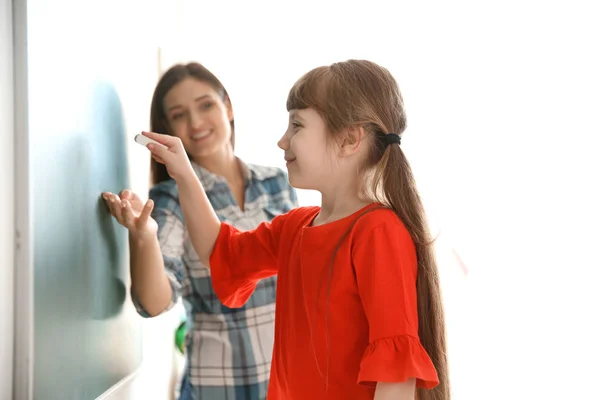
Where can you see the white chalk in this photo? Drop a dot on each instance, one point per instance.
(144, 140)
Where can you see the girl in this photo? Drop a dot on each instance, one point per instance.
(359, 312)
(228, 351)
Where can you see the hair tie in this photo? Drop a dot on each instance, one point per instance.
(389, 138)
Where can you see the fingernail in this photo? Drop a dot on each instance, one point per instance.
(124, 204)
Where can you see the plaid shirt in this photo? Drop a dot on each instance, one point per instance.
(228, 350)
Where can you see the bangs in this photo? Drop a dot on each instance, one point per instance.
(310, 91)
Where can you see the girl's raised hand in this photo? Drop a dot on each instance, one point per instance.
(173, 155)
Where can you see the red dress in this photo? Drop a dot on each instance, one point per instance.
(338, 330)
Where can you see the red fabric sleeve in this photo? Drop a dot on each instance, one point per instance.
(385, 262)
(240, 259)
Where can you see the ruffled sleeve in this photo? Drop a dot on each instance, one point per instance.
(385, 263)
(397, 359)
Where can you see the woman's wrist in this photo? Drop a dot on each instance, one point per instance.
(141, 237)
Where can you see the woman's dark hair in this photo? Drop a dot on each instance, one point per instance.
(158, 118)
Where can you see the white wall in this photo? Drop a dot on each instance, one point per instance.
(7, 226)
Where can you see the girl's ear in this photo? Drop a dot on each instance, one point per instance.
(352, 139)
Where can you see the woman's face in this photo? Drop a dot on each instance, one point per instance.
(199, 116)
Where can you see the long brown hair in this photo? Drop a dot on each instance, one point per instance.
(359, 93)
(158, 118)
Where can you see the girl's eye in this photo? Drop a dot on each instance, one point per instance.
(296, 126)
(207, 106)
(176, 116)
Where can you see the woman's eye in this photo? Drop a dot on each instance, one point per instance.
(296, 126)
(207, 106)
(176, 116)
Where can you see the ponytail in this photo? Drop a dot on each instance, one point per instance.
(394, 182)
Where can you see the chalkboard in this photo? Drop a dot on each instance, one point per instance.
(77, 334)
(86, 332)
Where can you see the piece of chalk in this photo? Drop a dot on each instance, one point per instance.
(144, 140)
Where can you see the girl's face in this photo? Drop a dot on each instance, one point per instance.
(199, 116)
(310, 160)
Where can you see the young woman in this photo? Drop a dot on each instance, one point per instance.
(228, 350)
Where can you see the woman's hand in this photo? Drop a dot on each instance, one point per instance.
(130, 212)
(174, 156)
